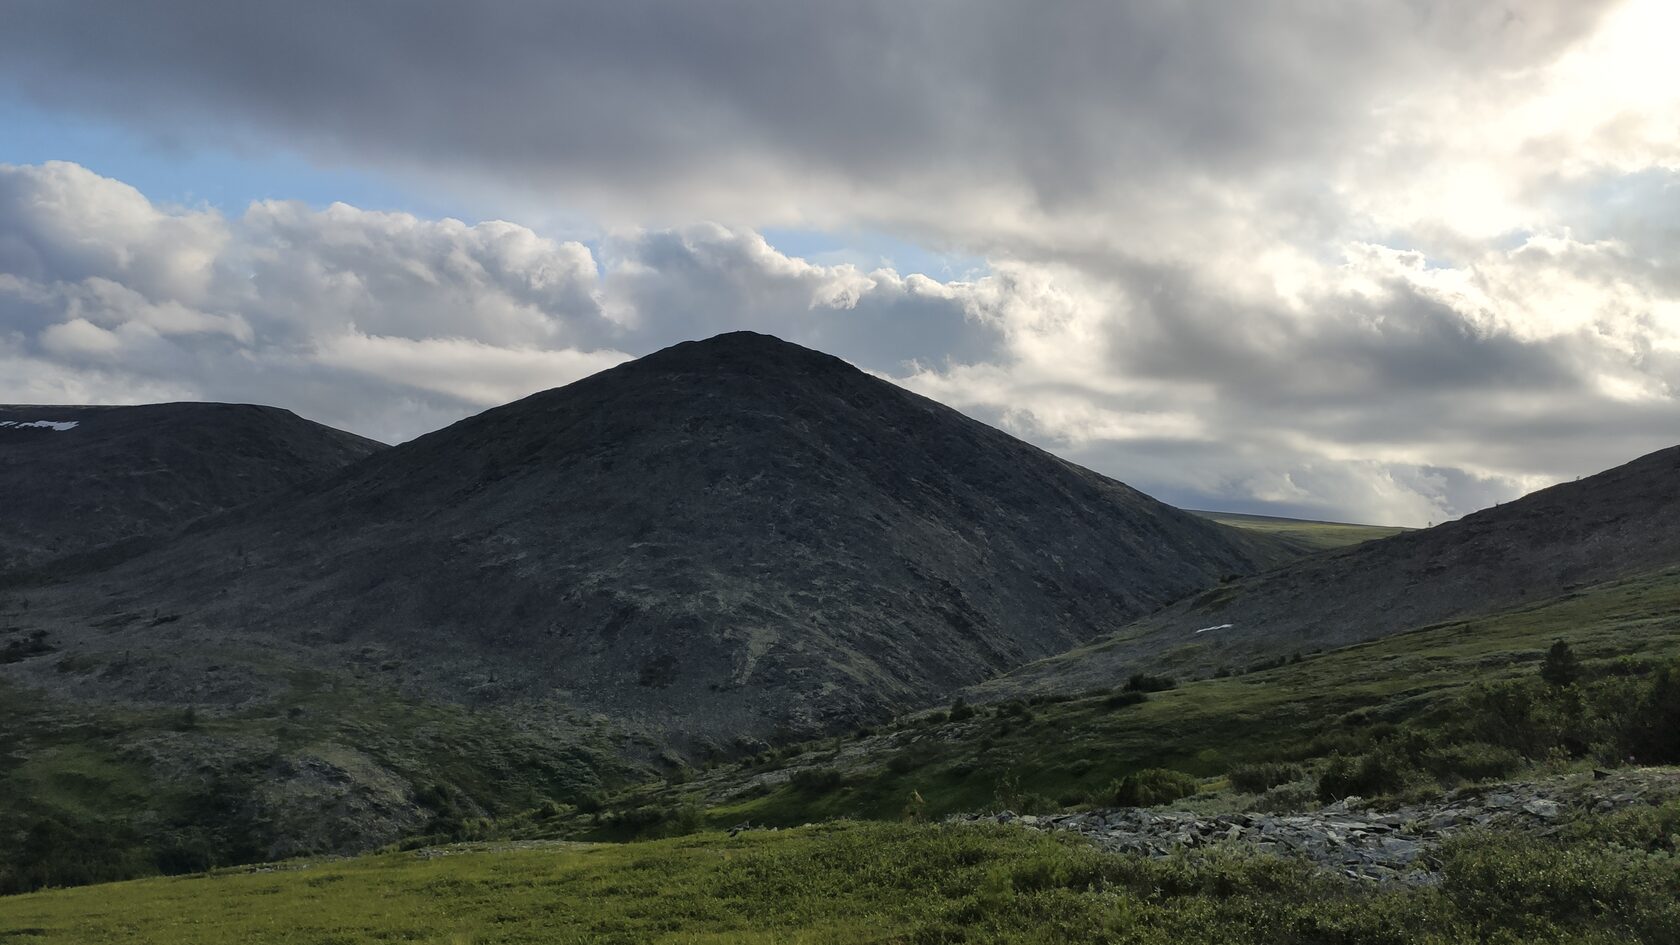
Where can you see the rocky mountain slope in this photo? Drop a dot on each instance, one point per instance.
(1554, 541)
(79, 478)
(722, 540)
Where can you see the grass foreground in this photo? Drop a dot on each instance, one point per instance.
(888, 883)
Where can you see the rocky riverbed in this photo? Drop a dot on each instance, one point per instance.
(1393, 845)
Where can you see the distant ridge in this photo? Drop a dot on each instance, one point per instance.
(76, 478)
(1621, 522)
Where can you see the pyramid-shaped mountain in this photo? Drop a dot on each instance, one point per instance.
(79, 478)
(723, 539)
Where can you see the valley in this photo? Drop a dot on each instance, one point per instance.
(856, 668)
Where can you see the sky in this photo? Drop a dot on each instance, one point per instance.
(1385, 261)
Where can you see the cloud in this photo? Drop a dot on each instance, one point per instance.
(1388, 387)
(1384, 389)
(983, 120)
(379, 322)
(79, 338)
(666, 285)
(392, 325)
(469, 371)
(1376, 260)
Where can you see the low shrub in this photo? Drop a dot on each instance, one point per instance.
(1123, 698)
(1015, 709)
(1152, 786)
(1531, 889)
(1381, 771)
(1144, 682)
(1287, 798)
(816, 780)
(1476, 761)
(1257, 778)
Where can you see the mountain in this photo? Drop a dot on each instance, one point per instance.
(724, 540)
(78, 478)
(1555, 541)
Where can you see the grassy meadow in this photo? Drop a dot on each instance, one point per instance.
(883, 883)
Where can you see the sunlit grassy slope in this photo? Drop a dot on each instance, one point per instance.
(1307, 536)
(881, 883)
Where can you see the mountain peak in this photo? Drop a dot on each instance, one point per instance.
(743, 352)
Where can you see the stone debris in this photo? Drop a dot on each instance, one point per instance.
(1363, 844)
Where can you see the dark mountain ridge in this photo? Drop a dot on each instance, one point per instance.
(77, 478)
(722, 540)
(1551, 542)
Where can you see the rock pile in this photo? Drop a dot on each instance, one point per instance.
(1360, 843)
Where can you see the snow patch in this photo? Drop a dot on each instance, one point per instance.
(60, 425)
(1221, 626)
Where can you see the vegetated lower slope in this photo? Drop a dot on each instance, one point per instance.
(1304, 534)
(78, 478)
(326, 762)
(1435, 706)
(1591, 875)
(722, 540)
(1622, 521)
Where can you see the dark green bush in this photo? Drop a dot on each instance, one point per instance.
(1560, 667)
(1144, 682)
(1384, 770)
(961, 711)
(1255, 778)
(816, 780)
(1473, 762)
(1653, 733)
(1015, 708)
(1152, 786)
(54, 852)
(1123, 698)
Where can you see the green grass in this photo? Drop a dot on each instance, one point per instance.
(882, 883)
(1066, 752)
(1306, 536)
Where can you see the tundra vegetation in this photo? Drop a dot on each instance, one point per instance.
(865, 853)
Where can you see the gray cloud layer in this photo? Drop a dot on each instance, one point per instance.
(1378, 260)
(792, 110)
